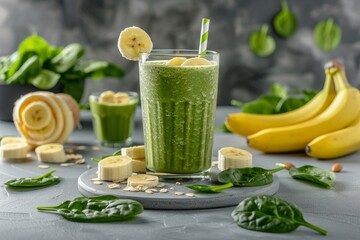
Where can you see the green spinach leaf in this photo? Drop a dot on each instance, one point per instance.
(106, 208)
(248, 177)
(270, 214)
(285, 23)
(99, 69)
(46, 179)
(315, 175)
(261, 43)
(46, 79)
(327, 35)
(67, 58)
(29, 69)
(117, 153)
(210, 189)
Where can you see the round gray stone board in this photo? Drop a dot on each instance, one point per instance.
(229, 197)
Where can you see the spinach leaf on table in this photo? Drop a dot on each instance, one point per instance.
(261, 43)
(285, 23)
(313, 174)
(43, 180)
(270, 214)
(210, 189)
(327, 35)
(248, 177)
(106, 208)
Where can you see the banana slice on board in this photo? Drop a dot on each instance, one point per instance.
(133, 41)
(51, 153)
(196, 61)
(138, 166)
(176, 61)
(115, 168)
(14, 150)
(143, 179)
(230, 157)
(7, 140)
(135, 152)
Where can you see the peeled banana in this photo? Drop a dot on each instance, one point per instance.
(114, 168)
(342, 111)
(249, 123)
(144, 180)
(230, 157)
(51, 153)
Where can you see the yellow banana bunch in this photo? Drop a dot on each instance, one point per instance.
(342, 112)
(249, 123)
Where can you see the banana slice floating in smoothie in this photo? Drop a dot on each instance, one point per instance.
(133, 41)
(176, 61)
(51, 153)
(196, 61)
(230, 157)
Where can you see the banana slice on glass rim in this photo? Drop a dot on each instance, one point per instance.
(133, 41)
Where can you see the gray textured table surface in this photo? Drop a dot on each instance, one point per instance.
(336, 210)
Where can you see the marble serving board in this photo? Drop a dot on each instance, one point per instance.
(169, 200)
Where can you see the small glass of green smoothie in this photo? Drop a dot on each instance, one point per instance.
(178, 90)
(113, 117)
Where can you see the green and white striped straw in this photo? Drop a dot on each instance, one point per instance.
(204, 35)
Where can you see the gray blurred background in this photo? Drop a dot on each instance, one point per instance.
(297, 62)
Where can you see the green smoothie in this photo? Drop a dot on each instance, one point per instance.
(178, 108)
(113, 123)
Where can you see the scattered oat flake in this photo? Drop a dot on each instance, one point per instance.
(149, 191)
(172, 188)
(190, 194)
(163, 190)
(43, 166)
(98, 182)
(179, 193)
(141, 187)
(80, 147)
(67, 164)
(88, 166)
(113, 185)
(80, 161)
(153, 189)
(178, 183)
(74, 156)
(130, 189)
(160, 185)
(95, 179)
(96, 148)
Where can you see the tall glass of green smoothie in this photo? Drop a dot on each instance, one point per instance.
(178, 91)
(113, 117)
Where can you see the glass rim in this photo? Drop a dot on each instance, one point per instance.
(179, 52)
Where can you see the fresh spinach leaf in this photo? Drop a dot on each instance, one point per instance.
(262, 105)
(46, 79)
(106, 208)
(289, 103)
(278, 90)
(30, 68)
(99, 69)
(261, 43)
(210, 189)
(46, 179)
(67, 58)
(327, 35)
(285, 23)
(248, 177)
(313, 174)
(270, 214)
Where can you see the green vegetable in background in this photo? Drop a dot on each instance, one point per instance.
(248, 177)
(44, 66)
(261, 43)
(285, 23)
(313, 174)
(46, 179)
(270, 214)
(210, 189)
(106, 208)
(327, 35)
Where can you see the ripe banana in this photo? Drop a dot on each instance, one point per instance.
(43, 117)
(133, 41)
(341, 112)
(115, 168)
(335, 144)
(14, 150)
(230, 157)
(249, 123)
(51, 153)
(135, 152)
(143, 179)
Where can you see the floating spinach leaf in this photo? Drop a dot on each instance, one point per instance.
(261, 43)
(313, 174)
(270, 214)
(248, 177)
(210, 189)
(46, 179)
(106, 208)
(327, 35)
(285, 23)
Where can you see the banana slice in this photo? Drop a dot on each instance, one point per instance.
(121, 98)
(176, 61)
(138, 166)
(135, 152)
(14, 150)
(7, 140)
(36, 115)
(230, 157)
(143, 179)
(133, 41)
(196, 61)
(44, 133)
(51, 153)
(115, 168)
(106, 97)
